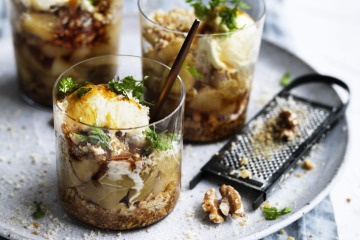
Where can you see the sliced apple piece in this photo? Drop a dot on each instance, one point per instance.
(163, 180)
(112, 200)
(67, 176)
(124, 182)
(207, 100)
(84, 169)
(147, 188)
(107, 197)
(168, 164)
(170, 52)
(41, 25)
(211, 101)
(185, 75)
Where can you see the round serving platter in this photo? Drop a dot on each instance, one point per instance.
(27, 165)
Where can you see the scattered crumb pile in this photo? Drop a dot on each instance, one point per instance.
(280, 128)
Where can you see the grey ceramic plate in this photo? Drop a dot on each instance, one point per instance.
(27, 168)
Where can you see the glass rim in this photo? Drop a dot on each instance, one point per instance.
(261, 16)
(179, 105)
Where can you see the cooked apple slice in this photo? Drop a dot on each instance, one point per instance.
(84, 169)
(219, 105)
(168, 164)
(163, 180)
(67, 176)
(170, 52)
(59, 65)
(152, 67)
(204, 97)
(124, 182)
(185, 75)
(41, 25)
(231, 90)
(147, 188)
(107, 197)
(112, 200)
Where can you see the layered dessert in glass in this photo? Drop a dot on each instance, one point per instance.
(219, 68)
(50, 36)
(116, 170)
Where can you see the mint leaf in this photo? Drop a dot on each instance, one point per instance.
(92, 2)
(213, 8)
(272, 213)
(160, 141)
(194, 72)
(228, 17)
(128, 86)
(67, 85)
(240, 4)
(99, 137)
(201, 10)
(285, 79)
(96, 136)
(82, 91)
(39, 213)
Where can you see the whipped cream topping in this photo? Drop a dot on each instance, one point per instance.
(234, 50)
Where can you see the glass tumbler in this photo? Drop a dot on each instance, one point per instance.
(51, 36)
(219, 68)
(116, 170)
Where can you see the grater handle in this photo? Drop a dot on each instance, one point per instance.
(317, 78)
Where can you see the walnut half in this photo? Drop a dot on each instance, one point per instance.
(219, 209)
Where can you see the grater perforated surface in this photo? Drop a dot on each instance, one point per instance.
(265, 158)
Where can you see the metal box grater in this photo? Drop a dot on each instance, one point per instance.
(267, 160)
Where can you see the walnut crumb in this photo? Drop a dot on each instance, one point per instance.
(36, 224)
(290, 238)
(244, 161)
(229, 204)
(282, 232)
(308, 165)
(348, 200)
(243, 223)
(299, 175)
(245, 174)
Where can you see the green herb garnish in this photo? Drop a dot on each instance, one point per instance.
(194, 72)
(129, 87)
(82, 91)
(243, 5)
(200, 9)
(160, 141)
(39, 212)
(285, 79)
(95, 136)
(68, 85)
(272, 213)
(219, 7)
(92, 2)
(228, 17)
